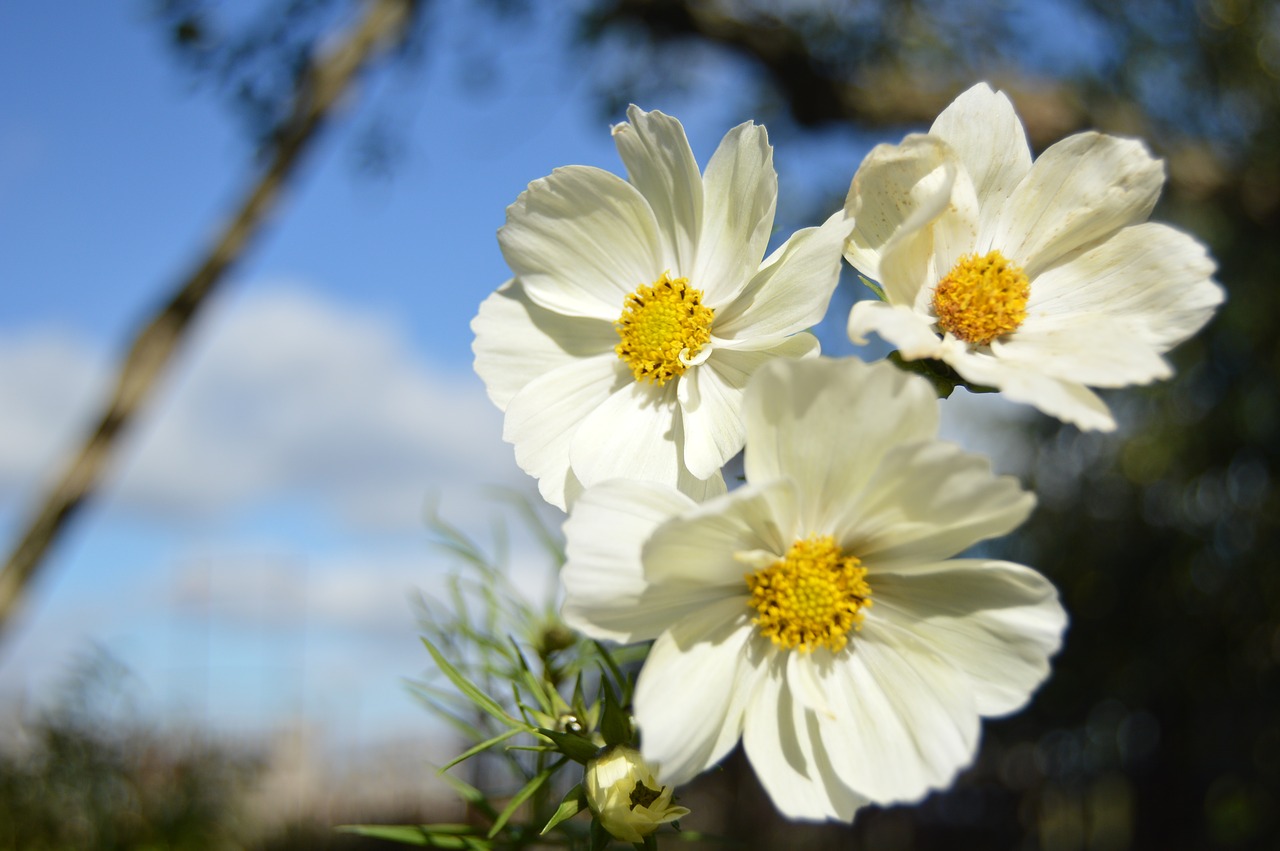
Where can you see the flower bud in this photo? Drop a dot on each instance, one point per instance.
(625, 797)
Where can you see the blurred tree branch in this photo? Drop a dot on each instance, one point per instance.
(883, 64)
(319, 89)
(875, 86)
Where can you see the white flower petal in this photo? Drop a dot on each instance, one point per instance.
(781, 739)
(984, 131)
(581, 240)
(607, 593)
(897, 191)
(661, 165)
(791, 291)
(905, 720)
(701, 546)
(927, 501)
(1109, 293)
(894, 713)
(517, 341)
(542, 418)
(912, 334)
(692, 692)
(1069, 401)
(825, 423)
(1153, 276)
(740, 191)
(955, 234)
(997, 622)
(711, 400)
(807, 675)
(711, 407)
(1081, 189)
(637, 433)
(1098, 349)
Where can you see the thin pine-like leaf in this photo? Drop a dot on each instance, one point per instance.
(523, 795)
(422, 836)
(481, 700)
(573, 802)
(618, 676)
(480, 748)
(470, 795)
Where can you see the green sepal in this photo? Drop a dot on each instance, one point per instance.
(615, 724)
(571, 745)
(938, 373)
(600, 838)
(574, 801)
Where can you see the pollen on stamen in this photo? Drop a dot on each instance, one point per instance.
(812, 597)
(662, 327)
(982, 298)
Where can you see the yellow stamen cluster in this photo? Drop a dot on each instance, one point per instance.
(982, 298)
(811, 598)
(662, 326)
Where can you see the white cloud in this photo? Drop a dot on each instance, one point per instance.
(351, 591)
(283, 394)
(47, 379)
(262, 532)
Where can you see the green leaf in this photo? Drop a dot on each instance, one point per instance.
(536, 748)
(470, 795)
(547, 537)
(522, 796)
(614, 670)
(531, 681)
(572, 745)
(483, 746)
(615, 725)
(409, 834)
(873, 286)
(573, 802)
(579, 705)
(479, 698)
(423, 836)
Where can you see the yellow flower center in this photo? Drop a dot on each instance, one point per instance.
(982, 298)
(663, 327)
(812, 597)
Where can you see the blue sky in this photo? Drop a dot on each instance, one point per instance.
(251, 555)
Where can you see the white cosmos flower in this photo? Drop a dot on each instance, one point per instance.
(816, 613)
(640, 307)
(1040, 279)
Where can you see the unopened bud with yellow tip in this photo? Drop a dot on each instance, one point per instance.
(625, 797)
